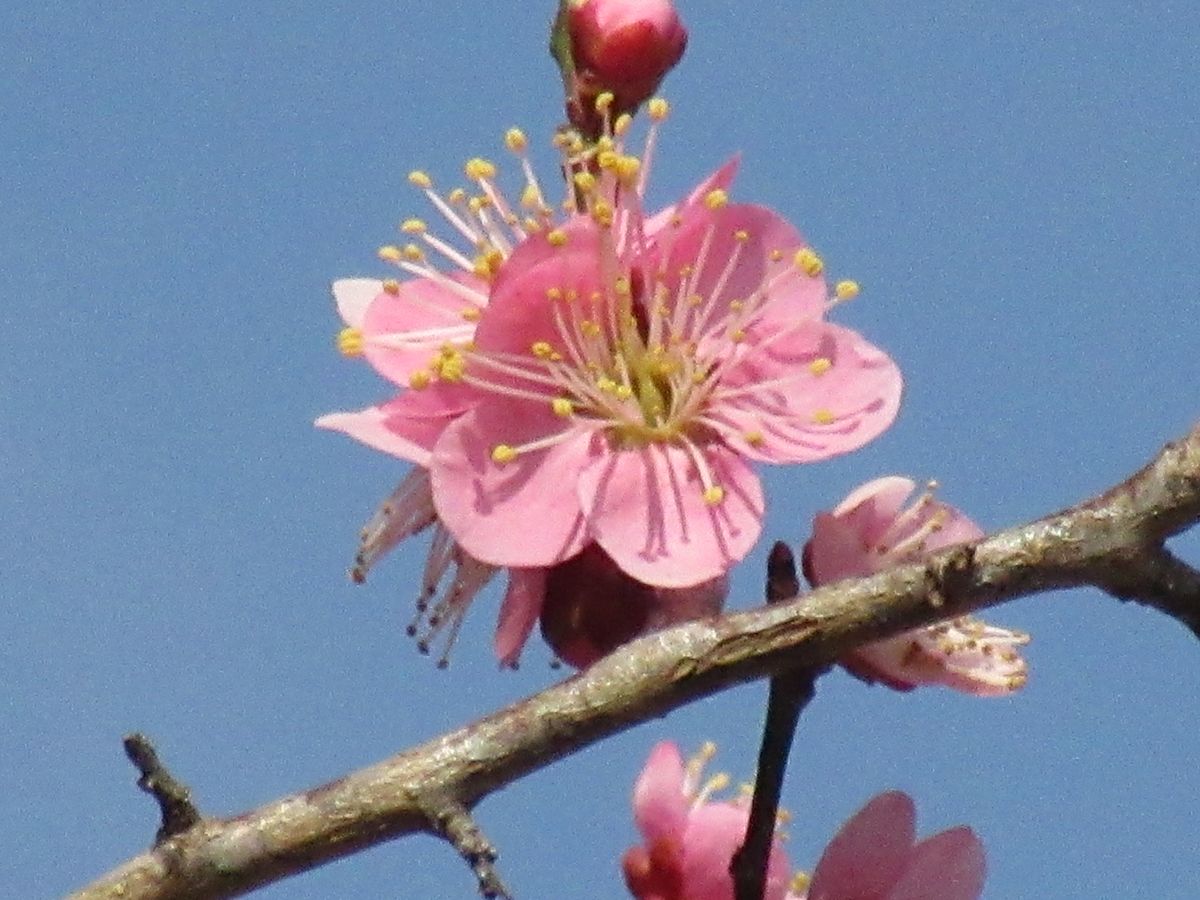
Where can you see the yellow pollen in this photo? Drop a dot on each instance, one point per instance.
(754, 438)
(658, 108)
(585, 181)
(557, 238)
(799, 883)
(694, 300)
(530, 198)
(390, 253)
(515, 140)
(542, 350)
(741, 235)
(458, 195)
(716, 199)
(823, 417)
(572, 295)
(607, 159)
(554, 293)
(562, 407)
(503, 453)
(737, 335)
(391, 286)
(809, 262)
(714, 495)
(589, 328)
(419, 380)
(628, 168)
(450, 364)
(621, 126)
(846, 290)
(350, 341)
(479, 169)
(417, 178)
(820, 365)
(623, 391)
(412, 226)
(602, 213)
(471, 314)
(413, 253)
(604, 101)
(622, 287)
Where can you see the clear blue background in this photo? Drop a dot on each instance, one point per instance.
(1015, 184)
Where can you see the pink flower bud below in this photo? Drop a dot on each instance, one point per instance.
(625, 46)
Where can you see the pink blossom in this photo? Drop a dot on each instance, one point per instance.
(875, 856)
(688, 838)
(872, 530)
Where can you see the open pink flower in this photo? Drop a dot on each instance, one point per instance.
(875, 856)
(872, 530)
(688, 838)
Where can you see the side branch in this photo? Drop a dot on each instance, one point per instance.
(1114, 542)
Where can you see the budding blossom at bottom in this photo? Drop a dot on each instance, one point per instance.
(586, 390)
(872, 530)
(690, 838)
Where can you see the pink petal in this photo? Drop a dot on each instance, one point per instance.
(842, 541)
(718, 180)
(948, 866)
(659, 805)
(714, 832)
(518, 613)
(869, 852)
(407, 426)
(404, 332)
(802, 414)
(522, 513)
(646, 508)
(353, 296)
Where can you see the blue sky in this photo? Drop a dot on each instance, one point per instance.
(1015, 185)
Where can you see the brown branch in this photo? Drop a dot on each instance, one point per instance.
(174, 799)
(453, 821)
(1091, 544)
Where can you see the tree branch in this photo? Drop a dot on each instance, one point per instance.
(1113, 542)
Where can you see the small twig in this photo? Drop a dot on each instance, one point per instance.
(174, 799)
(1158, 578)
(789, 693)
(453, 821)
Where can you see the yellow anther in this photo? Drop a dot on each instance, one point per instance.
(808, 262)
(531, 198)
(562, 407)
(737, 335)
(820, 365)
(471, 314)
(776, 255)
(621, 126)
(799, 883)
(456, 196)
(622, 286)
(390, 253)
(713, 497)
(479, 265)
(602, 213)
(419, 380)
(515, 140)
(413, 253)
(737, 305)
(479, 169)
(557, 237)
(585, 181)
(503, 453)
(589, 328)
(604, 101)
(391, 286)
(350, 341)
(628, 168)
(554, 293)
(716, 199)
(694, 300)
(658, 108)
(450, 364)
(623, 392)
(846, 290)
(412, 226)
(541, 349)
(608, 159)
(417, 178)
(754, 438)
(823, 417)
(532, 225)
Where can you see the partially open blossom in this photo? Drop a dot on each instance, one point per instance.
(875, 856)
(688, 837)
(872, 530)
(593, 376)
(625, 47)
